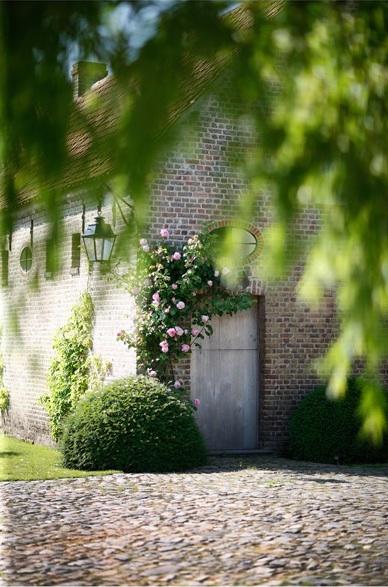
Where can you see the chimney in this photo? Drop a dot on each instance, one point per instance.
(85, 74)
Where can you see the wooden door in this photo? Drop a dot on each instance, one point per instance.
(224, 377)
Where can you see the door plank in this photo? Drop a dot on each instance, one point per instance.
(238, 331)
(225, 380)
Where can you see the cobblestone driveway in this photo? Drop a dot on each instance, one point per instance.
(234, 522)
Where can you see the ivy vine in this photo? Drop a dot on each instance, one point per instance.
(178, 290)
(74, 369)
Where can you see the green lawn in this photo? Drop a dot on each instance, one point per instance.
(23, 461)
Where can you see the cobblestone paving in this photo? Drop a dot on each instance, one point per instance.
(234, 522)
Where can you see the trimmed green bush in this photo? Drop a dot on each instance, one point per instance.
(135, 425)
(327, 431)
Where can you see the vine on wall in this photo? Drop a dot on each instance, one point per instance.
(178, 290)
(74, 369)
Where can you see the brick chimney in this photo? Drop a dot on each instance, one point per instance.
(85, 74)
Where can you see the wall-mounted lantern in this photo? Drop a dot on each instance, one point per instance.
(99, 240)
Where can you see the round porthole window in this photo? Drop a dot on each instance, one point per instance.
(26, 259)
(243, 240)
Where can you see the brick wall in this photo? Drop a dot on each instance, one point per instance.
(195, 185)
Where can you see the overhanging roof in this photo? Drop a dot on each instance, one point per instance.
(100, 110)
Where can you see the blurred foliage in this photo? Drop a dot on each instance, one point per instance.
(321, 143)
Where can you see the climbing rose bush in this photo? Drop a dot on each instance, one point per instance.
(177, 290)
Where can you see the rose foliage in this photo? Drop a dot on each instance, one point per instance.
(177, 290)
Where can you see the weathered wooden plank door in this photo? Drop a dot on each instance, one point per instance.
(224, 377)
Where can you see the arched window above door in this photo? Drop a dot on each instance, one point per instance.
(245, 240)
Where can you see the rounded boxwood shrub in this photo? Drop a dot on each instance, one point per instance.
(134, 424)
(327, 431)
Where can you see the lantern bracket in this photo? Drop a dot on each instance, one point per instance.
(125, 208)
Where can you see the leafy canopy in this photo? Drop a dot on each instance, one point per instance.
(321, 144)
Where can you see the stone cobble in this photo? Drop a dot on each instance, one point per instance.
(235, 522)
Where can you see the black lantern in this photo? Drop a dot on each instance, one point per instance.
(99, 240)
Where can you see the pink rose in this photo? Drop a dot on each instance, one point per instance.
(180, 305)
(176, 256)
(171, 332)
(195, 331)
(174, 286)
(177, 384)
(164, 233)
(164, 346)
(210, 283)
(197, 402)
(156, 298)
(179, 330)
(185, 348)
(205, 318)
(151, 373)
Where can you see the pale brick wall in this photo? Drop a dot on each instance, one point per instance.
(33, 315)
